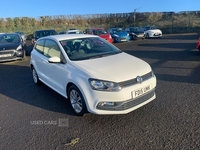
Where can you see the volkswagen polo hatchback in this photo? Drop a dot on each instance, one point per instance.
(94, 75)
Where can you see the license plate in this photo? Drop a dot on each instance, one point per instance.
(141, 91)
(123, 39)
(5, 55)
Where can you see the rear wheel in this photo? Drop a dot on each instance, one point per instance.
(77, 101)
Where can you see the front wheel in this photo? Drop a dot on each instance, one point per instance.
(77, 101)
(147, 35)
(24, 55)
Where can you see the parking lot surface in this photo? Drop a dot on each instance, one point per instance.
(36, 117)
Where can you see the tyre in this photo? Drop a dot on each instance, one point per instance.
(147, 35)
(35, 77)
(77, 101)
(24, 55)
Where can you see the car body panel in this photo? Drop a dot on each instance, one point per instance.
(119, 67)
(74, 31)
(119, 35)
(135, 33)
(198, 44)
(11, 47)
(42, 33)
(152, 31)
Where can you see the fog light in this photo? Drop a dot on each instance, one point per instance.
(106, 104)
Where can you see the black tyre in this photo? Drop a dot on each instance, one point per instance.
(147, 35)
(24, 55)
(77, 101)
(35, 77)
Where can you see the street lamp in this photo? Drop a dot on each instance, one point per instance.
(134, 15)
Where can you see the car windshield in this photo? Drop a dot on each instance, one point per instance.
(99, 31)
(9, 38)
(132, 29)
(150, 28)
(118, 30)
(40, 34)
(88, 48)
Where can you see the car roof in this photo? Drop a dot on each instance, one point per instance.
(45, 30)
(60, 37)
(117, 28)
(73, 30)
(11, 33)
(96, 28)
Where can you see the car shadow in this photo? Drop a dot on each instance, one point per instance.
(17, 84)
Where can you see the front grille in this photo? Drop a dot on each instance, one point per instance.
(7, 55)
(130, 103)
(140, 33)
(156, 34)
(134, 80)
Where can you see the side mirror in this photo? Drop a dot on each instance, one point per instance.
(54, 60)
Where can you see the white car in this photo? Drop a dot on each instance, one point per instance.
(94, 75)
(152, 32)
(73, 32)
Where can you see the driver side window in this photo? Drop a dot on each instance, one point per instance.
(51, 49)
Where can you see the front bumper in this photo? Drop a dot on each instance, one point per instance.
(124, 99)
(140, 35)
(155, 34)
(198, 44)
(9, 55)
(121, 39)
(109, 40)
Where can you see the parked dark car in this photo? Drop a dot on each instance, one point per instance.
(62, 32)
(11, 47)
(42, 33)
(23, 35)
(135, 33)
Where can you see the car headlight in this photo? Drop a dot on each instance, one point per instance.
(116, 35)
(19, 48)
(101, 85)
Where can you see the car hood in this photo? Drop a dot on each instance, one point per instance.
(118, 68)
(104, 36)
(121, 33)
(9, 46)
(154, 30)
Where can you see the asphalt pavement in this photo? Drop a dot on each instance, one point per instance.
(36, 117)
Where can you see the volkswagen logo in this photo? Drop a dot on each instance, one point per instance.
(139, 79)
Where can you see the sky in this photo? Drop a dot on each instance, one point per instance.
(37, 8)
